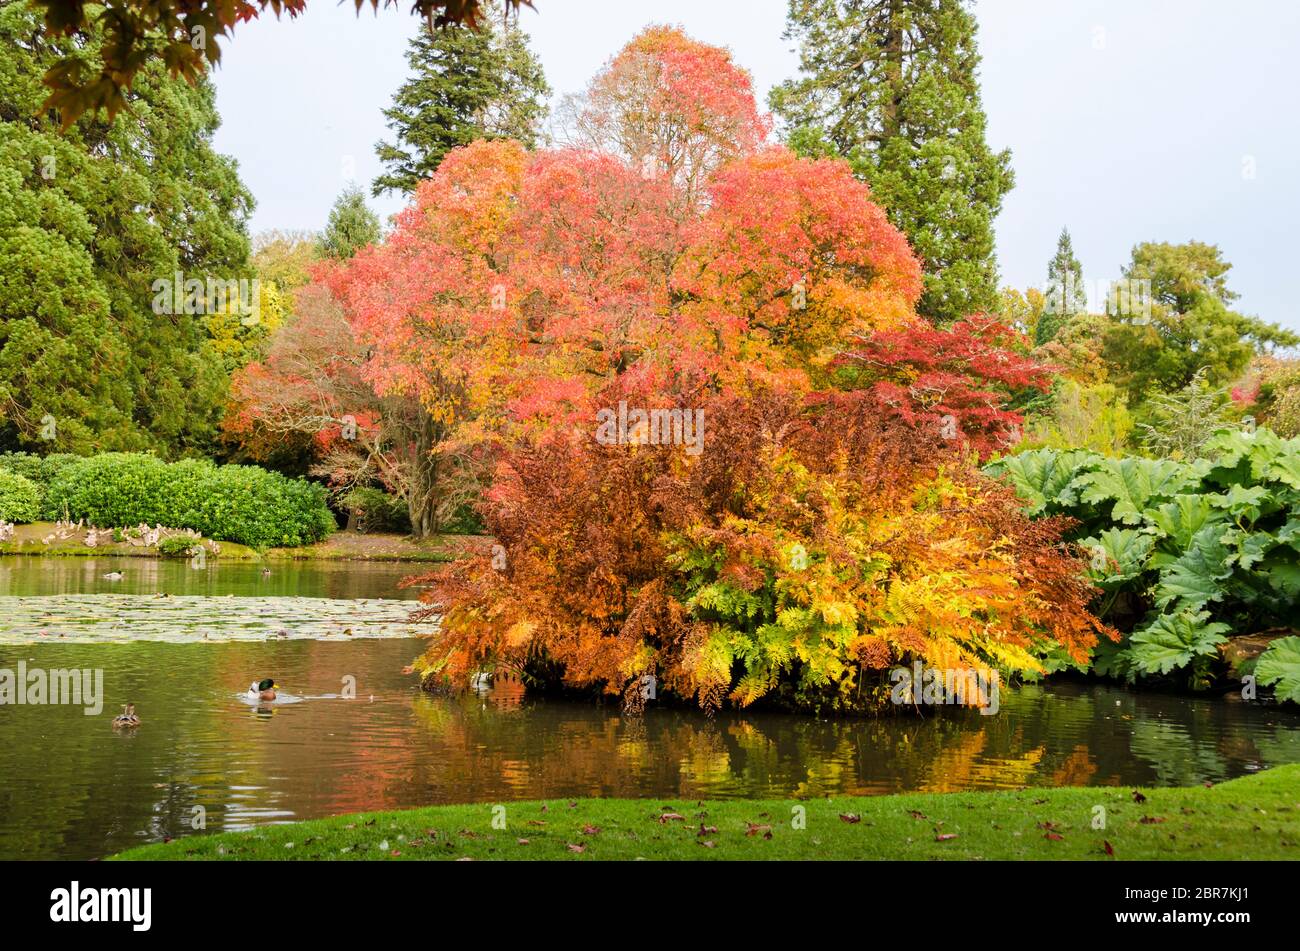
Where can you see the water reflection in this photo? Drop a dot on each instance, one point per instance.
(72, 787)
(31, 575)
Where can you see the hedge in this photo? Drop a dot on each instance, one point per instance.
(244, 504)
(20, 498)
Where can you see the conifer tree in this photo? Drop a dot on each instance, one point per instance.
(465, 85)
(351, 226)
(891, 86)
(1064, 296)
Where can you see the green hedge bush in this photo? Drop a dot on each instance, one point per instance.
(242, 504)
(20, 498)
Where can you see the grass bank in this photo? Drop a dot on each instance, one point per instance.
(1257, 817)
(341, 546)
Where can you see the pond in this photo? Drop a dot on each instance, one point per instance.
(72, 787)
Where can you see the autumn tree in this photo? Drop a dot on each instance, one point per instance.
(464, 85)
(892, 86)
(311, 394)
(671, 106)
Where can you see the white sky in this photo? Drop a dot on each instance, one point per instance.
(1128, 120)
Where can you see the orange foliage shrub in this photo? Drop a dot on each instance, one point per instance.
(810, 545)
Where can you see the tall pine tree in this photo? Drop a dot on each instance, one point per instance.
(891, 86)
(466, 84)
(1064, 296)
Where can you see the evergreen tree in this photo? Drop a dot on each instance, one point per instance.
(1064, 295)
(891, 86)
(465, 85)
(95, 224)
(351, 226)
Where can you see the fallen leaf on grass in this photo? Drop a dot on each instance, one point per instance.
(850, 817)
(667, 817)
(1110, 849)
(1054, 836)
(591, 830)
(707, 830)
(577, 848)
(945, 836)
(709, 844)
(753, 828)
(916, 814)
(522, 841)
(1151, 820)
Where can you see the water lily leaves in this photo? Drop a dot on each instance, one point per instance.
(1175, 640)
(1133, 485)
(1280, 665)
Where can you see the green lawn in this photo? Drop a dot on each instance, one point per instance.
(1257, 817)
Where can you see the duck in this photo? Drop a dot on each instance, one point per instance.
(262, 689)
(266, 572)
(126, 718)
(113, 576)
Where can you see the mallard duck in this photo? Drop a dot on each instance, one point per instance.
(266, 572)
(262, 689)
(126, 718)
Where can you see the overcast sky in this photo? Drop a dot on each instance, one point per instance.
(1128, 120)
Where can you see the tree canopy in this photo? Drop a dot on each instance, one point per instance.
(101, 229)
(180, 34)
(464, 85)
(892, 86)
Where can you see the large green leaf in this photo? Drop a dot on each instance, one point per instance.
(1194, 579)
(1181, 519)
(1133, 485)
(1043, 477)
(1117, 555)
(1239, 456)
(1280, 665)
(1175, 640)
(1242, 502)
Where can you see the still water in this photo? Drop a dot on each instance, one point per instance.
(71, 787)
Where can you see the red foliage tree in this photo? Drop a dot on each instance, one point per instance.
(956, 381)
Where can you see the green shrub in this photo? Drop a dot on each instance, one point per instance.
(1184, 552)
(242, 504)
(380, 511)
(20, 498)
(38, 469)
(177, 546)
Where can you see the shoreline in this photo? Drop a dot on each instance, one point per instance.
(340, 546)
(1252, 817)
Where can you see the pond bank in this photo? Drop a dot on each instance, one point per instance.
(1255, 817)
(341, 546)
